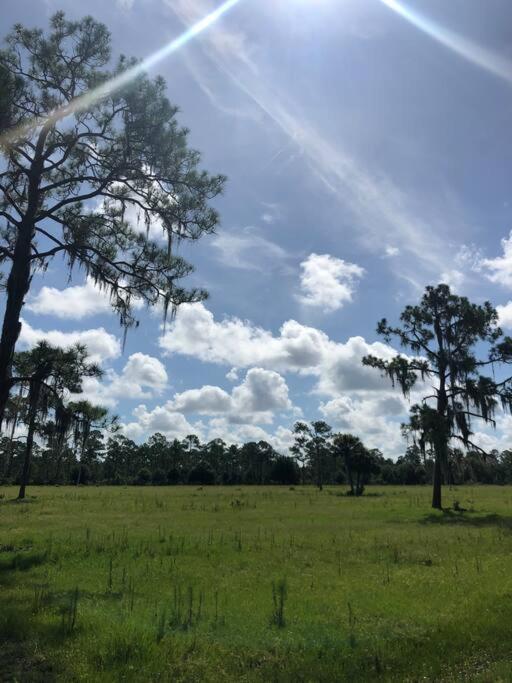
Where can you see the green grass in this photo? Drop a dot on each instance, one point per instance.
(255, 584)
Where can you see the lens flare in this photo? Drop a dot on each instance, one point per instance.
(472, 52)
(84, 101)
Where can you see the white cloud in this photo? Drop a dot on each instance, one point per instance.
(376, 420)
(233, 417)
(328, 282)
(143, 376)
(100, 344)
(232, 375)
(262, 391)
(172, 424)
(175, 425)
(342, 369)
(391, 251)
(255, 400)
(500, 268)
(453, 278)
(219, 428)
(297, 348)
(146, 371)
(207, 400)
(505, 315)
(73, 303)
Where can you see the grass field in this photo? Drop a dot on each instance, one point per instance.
(255, 584)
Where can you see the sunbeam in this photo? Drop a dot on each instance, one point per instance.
(87, 99)
(485, 59)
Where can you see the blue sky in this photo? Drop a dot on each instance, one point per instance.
(366, 158)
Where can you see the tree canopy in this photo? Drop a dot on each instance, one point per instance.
(108, 183)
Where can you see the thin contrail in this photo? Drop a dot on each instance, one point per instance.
(469, 50)
(84, 101)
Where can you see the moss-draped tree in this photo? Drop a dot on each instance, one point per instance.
(451, 342)
(92, 179)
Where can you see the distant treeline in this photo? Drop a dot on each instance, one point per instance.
(159, 461)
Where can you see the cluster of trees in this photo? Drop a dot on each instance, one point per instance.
(461, 467)
(106, 457)
(119, 460)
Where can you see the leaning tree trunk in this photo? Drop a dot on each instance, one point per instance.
(17, 287)
(18, 282)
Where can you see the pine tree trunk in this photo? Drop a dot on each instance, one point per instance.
(18, 282)
(17, 287)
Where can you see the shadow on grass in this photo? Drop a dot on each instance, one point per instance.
(22, 561)
(21, 658)
(468, 519)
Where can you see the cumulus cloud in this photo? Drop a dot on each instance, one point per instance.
(73, 303)
(207, 400)
(262, 391)
(255, 400)
(175, 425)
(296, 348)
(172, 424)
(100, 344)
(376, 420)
(328, 282)
(146, 370)
(142, 377)
(219, 428)
(233, 417)
(342, 369)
